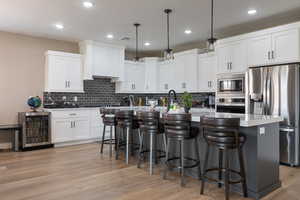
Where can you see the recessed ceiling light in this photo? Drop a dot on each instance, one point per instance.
(59, 26)
(88, 4)
(188, 31)
(147, 43)
(252, 12)
(110, 36)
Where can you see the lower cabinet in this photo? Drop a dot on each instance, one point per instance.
(74, 125)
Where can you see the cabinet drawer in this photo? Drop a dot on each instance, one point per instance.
(69, 114)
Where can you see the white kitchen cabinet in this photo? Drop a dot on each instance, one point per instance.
(259, 50)
(151, 75)
(134, 78)
(63, 72)
(102, 60)
(285, 46)
(185, 71)
(166, 76)
(274, 48)
(232, 57)
(70, 125)
(207, 70)
(61, 130)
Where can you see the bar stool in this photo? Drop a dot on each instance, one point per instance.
(109, 119)
(126, 124)
(178, 129)
(223, 133)
(149, 125)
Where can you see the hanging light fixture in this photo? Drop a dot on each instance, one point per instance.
(168, 53)
(211, 41)
(136, 41)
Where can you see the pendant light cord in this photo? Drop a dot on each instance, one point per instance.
(212, 19)
(168, 29)
(136, 41)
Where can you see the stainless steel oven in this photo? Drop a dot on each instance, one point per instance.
(231, 85)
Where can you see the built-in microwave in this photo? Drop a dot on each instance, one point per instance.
(231, 85)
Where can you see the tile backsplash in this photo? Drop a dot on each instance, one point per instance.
(101, 92)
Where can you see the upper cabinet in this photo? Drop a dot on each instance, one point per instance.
(134, 78)
(232, 57)
(274, 48)
(63, 72)
(151, 75)
(207, 70)
(166, 79)
(102, 60)
(185, 71)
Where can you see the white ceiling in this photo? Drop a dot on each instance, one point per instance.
(37, 17)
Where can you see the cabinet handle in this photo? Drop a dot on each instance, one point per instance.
(71, 124)
(66, 84)
(183, 85)
(227, 66)
(69, 84)
(269, 55)
(230, 65)
(273, 56)
(74, 124)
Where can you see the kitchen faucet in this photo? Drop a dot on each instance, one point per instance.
(171, 98)
(131, 100)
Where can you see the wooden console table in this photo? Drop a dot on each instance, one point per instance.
(13, 127)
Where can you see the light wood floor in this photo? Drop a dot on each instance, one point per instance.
(81, 173)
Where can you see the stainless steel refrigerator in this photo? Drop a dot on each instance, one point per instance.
(274, 90)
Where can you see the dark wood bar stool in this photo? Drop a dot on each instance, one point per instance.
(223, 133)
(109, 119)
(149, 125)
(125, 124)
(178, 129)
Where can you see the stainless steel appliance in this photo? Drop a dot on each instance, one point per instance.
(275, 91)
(232, 85)
(35, 129)
(230, 96)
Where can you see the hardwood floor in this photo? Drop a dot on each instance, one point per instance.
(81, 173)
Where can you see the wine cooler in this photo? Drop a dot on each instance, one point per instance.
(36, 131)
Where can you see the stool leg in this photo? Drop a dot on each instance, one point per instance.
(119, 132)
(205, 168)
(110, 142)
(220, 166)
(151, 154)
(127, 146)
(226, 174)
(103, 138)
(182, 162)
(131, 146)
(243, 174)
(116, 137)
(198, 157)
(165, 143)
(167, 157)
(141, 137)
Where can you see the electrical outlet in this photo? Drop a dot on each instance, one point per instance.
(262, 131)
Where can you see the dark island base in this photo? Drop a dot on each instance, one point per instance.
(261, 154)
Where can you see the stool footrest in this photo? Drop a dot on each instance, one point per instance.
(223, 170)
(197, 162)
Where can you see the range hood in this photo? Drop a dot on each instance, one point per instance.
(102, 60)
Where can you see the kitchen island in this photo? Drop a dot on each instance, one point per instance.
(261, 150)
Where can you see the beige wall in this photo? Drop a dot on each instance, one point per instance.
(22, 70)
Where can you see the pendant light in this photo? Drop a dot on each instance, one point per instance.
(168, 53)
(137, 58)
(211, 41)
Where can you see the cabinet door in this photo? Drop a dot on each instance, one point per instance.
(74, 76)
(61, 130)
(178, 83)
(151, 80)
(239, 59)
(191, 72)
(139, 78)
(224, 58)
(165, 76)
(259, 50)
(207, 73)
(285, 46)
(81, 128)
(57, 73)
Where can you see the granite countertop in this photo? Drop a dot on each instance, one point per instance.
(247, 120)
